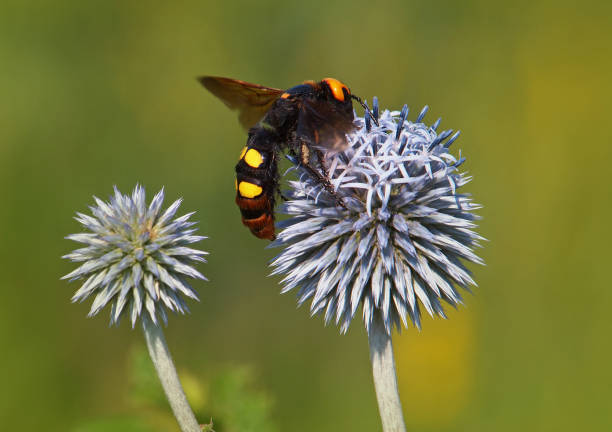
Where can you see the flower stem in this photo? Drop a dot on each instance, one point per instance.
(385, 380)
(162, 360)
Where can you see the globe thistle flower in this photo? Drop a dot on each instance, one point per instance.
(136, 257)
(393, 238)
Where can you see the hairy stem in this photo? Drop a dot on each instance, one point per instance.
(385, 379)
(162, 360)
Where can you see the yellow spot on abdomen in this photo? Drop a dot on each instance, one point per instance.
(253, 158)
(244, 150)
(337, 88)
(285, 95)
(249, 190)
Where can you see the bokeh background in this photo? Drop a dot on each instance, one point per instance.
(101, 93)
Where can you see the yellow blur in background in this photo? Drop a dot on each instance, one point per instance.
(437, 371)
(96, 94)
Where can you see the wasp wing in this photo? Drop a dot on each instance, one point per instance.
(251, 100)
(325, 125)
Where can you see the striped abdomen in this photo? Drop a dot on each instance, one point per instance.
(255, 188)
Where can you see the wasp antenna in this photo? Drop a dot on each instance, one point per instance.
(366, 108)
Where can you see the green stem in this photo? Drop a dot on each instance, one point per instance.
(162, 360)
(385, 379)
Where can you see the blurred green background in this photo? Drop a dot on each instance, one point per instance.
(102, 93)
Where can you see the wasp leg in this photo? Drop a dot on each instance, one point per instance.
(322, 179)
(322, 166)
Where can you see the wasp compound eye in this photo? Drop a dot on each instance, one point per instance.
(337, 88)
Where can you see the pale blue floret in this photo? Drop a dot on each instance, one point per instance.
(398, 243)
(136, 257)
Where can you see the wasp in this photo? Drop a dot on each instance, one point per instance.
(306, 121)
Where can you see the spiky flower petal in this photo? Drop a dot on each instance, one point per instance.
(136, 257)
(397, 242)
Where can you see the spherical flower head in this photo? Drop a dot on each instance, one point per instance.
(393, 237)
(137, 257)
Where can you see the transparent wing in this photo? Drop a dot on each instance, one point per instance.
(325, 125)
(252, 101)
